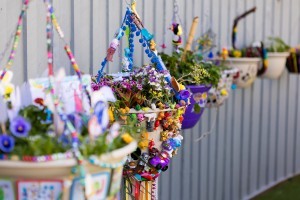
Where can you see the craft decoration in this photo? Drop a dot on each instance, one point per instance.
(6, 189)
(39, 189)
(155, 100)
(100, 184)
(217, 96)
(176, 28)
(58, 125)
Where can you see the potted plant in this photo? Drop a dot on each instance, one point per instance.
(278, 51)
(198, 76)
(247, 60)
(150, 95)
(48, 149)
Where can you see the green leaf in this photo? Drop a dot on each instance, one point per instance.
(197, 108)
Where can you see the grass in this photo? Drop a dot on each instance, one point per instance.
(287, 190)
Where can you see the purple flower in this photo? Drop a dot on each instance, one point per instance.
(7, 143)
(19, 127)
(183, 95)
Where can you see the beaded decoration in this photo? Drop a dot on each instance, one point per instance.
(16, 39)
(134, 26)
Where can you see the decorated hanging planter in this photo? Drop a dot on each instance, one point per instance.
(247, 60)
(216, 96)
(278, 52)
(151, 96)
(59, 150)
(190, 69)
(293, 61)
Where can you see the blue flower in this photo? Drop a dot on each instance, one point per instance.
(7, 143)
(20, 127)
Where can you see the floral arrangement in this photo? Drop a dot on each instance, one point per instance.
(141, 88)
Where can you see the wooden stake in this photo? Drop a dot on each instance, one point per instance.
(190, 38)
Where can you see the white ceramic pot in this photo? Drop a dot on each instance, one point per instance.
(276, 65)
(247, 67)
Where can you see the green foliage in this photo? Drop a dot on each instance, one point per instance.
(43, 141)
(277, 45)
(192, 71)
(37, 118)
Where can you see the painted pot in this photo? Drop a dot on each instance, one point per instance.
(217, 96)
(60, 171)
(276, 66)
(248, 68)
(199, 95)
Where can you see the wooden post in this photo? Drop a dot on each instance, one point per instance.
(191, 37)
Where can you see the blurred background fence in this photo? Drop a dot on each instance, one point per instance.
(256, 140)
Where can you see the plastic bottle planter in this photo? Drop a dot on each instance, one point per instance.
(157, 145)
(277, 62)
(105, 182)
(247, 67)
(217, 96)
(199, 95)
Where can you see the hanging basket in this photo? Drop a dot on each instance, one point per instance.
(277, 62)
(217, 96)
(104, 167)
(199, 96)
(248, 68)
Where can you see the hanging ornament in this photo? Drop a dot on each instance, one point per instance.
(176, 28)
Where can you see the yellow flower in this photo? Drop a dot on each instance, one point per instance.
(224, 92)
(126, 137)
(181, 87)
(111, 114)
(237, 53)
(8, 88)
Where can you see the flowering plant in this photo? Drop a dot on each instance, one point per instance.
(32, 130)
(140, 88)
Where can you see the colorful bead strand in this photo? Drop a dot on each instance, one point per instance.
(16, 39)
(49, 46)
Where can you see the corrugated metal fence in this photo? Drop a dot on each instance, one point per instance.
(256, 140)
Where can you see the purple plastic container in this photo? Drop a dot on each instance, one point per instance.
(191, 118)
